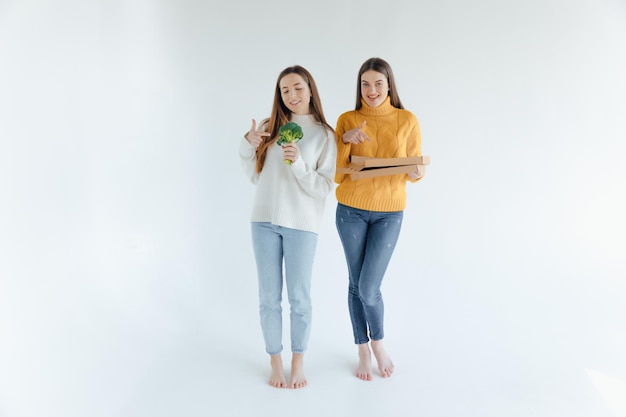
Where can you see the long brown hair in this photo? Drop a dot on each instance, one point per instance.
(281, 114)
(378, 65)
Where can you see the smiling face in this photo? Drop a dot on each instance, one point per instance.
(295, 93)
(374, 88)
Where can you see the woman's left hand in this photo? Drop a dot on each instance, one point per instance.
(291, 152)
(417, 174)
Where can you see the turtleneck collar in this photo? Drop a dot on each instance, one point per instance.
(302, 119)
(384, 108)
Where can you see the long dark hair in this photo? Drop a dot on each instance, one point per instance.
(382, 66)
(281, 114)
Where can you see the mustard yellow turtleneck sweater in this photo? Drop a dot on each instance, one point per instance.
(393, 133)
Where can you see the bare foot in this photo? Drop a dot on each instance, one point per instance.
(298, 380)
(277, 377)
(385, 365)
(364, 370)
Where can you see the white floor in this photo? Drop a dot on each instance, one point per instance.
(191, 346)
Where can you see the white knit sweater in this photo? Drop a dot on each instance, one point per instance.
(293, 195)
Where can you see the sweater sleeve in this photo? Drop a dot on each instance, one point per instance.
(343, 149)
(317, 181)
(247, 154)
(414, 142)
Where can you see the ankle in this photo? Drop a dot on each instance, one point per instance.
(297, 359)
(364, 350)
(276, 360)
(378, 345)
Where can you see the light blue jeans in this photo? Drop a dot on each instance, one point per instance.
(273, 245)
(369, 239)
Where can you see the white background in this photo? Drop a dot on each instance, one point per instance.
(127, 281)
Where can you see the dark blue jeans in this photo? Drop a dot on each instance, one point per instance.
(368, 239)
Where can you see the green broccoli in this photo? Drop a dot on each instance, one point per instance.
(289, 133)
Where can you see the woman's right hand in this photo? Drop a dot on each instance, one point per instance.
(255, 137)
(355, 135)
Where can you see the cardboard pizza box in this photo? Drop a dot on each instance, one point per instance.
(366, 167)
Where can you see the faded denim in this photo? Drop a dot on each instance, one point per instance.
(274, 245)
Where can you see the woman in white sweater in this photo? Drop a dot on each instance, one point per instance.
(292, 182)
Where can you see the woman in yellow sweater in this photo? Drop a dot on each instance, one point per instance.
(370, 210)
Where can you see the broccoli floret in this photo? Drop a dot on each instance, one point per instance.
(289, 133)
